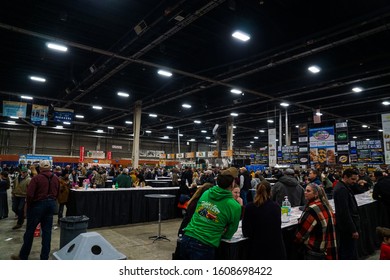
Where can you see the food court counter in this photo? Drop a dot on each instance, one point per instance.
(111, 207)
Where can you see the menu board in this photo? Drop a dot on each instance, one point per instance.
(367, 151)
(322, 145)
(289, 155)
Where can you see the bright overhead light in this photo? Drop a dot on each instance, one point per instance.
(79, 116)
(14, 117)
(148, 131)
(186, 106)
(192, 140)
(110, 127)
(277, 140)
(196, 121)
(208, 137)
(261, 130)
(11, 122)
(235, 91)
(368, 139)
(99, 131)
(97, 107)
(270, 121)
(123, 94)
(256, 137)
(297, 126)
(165, 137)
(294, 142)
(59, 127)
(386, 103)
(241, 36)
(234, 126)
(128, 122)
(234, 114)
(57, 47)
(26, 97)
(67, 123)
(354, 137)
(284, 104)
(203, 131)
(169, 127)
(318, 114)
(380, 130)
(314, 69)
(37, 79)
(252, 142)
(364, 125)
(181, 135)
(164, 73)
(153, 115)
(357, 89)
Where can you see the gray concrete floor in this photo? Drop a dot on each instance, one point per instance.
(131, 240)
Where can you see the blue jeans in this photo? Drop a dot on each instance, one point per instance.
(243, 195)
(193, 249)
(39, 212)
(18, 203)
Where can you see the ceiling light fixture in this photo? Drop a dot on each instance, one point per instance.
(57, 47)
(198, 122)
(37, 79)
(256, 137)
(181, 135)
(123, 94)
(79, 116)
(357, 89)
(128, 122)
(26, 97)
(187, 106)
(261, 130)
(169, 127)
(59, 127)
(386, 103)
(318, 113)
(208, 137)
(153, 115)
(354, 137)
(14, 117)
(380, 130)
(11, 122)
(164, 73)
(203, 131)
(97, 107)
(67, 123)
(99, 131)
(110, 127)
(148, 131)
(284, 104)
(270, 121)
(314, 69)
(241, 36)
(364, 126)
(235, 91)
(234, 114)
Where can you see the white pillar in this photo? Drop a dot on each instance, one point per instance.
(34, 142)
(287, 135)
(229, 136)
(136, 132)
(280, 138)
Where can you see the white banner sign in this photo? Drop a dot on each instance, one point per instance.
(272, 157)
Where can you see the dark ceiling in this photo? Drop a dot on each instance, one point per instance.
(349, 40)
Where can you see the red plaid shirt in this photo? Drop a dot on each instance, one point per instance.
(316, 229)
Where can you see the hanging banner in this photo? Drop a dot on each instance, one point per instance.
(14, 109)
(303, 144)
(322, 145)
(109, 155)
(190, 155)
(386, 136)
(212, 154)
(31, 159)
(180, 155)
(272, 147)
(39, 114)
(342, 140)
(289, 155)
(200, 154)
(367, 151)
(81, 156)
(227, 153)
(63, 115)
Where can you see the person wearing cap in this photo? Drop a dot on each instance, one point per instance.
(42, 193)
(381, 193)
(216, 216)
(19, 193)
(288, 185)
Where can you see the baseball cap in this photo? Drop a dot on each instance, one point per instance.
(232, 171)
(44, 164)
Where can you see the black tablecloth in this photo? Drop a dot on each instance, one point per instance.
(370, 215)
(123, 206)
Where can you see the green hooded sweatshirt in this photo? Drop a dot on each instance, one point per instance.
(216, 216)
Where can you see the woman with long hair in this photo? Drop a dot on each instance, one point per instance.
(262, 225)
(316, 226)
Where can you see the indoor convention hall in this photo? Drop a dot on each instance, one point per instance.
(195, 130)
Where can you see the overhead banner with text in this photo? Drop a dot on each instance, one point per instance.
(322, 145)
(272, 152)
(386, 136)
(14, 109)
(39, 114)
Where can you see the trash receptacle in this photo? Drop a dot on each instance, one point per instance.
(71, 227)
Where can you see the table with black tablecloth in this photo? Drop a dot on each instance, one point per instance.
(367, 244)
(111, 207)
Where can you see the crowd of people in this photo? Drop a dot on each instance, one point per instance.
(214, 202)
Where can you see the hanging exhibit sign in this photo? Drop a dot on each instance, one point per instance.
(272, 147)
(303, 141)
(14, 109)
(367, 151)
(31, 159)
(386, 136)
(81, 156)
(322, 145)
(289, 155)
(342, 147)
(63, 115)
(39, 114)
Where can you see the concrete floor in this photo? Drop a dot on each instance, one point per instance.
(131, 240)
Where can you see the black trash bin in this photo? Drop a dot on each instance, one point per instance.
(71, 227)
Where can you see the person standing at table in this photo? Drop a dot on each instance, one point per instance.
(347, 215)
(124, 180)
(262, 225)
(216, 216)
(316, 226)
(42, 193)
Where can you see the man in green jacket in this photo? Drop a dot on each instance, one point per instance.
(216, 216)
(124, 180)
